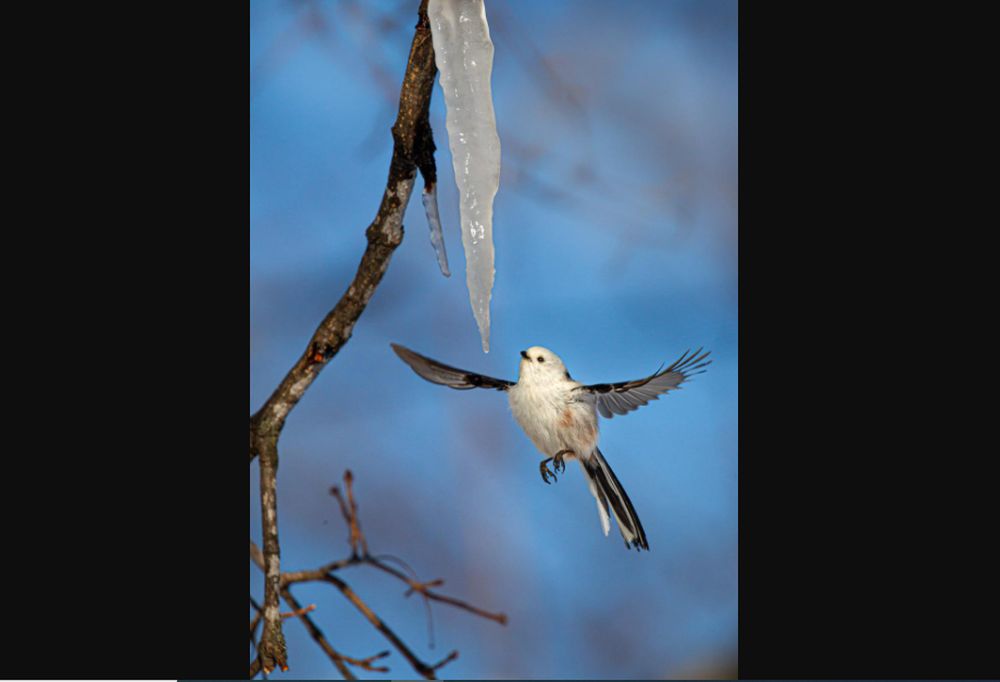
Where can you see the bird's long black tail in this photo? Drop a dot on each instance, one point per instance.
(611, 497)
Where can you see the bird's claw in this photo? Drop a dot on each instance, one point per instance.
(544, 468)
(558, 465)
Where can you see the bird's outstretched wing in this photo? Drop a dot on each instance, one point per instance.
(625, 396)
(439, 373)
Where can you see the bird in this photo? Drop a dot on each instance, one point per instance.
(559, 415)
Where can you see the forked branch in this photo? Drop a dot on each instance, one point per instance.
(413, 149)
(361, 556)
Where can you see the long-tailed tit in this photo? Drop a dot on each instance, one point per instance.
(559, 415)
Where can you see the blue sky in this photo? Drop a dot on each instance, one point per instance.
(616, 236)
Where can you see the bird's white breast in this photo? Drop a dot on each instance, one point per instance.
(553, 417)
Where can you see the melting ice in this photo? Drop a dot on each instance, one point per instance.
(434, 223)
(464, 54)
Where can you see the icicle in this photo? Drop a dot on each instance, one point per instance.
(464, 55)
(434, 223)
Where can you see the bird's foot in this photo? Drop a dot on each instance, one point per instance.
(544, 468)
(558, 463)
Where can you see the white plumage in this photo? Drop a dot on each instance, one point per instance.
(559, 415)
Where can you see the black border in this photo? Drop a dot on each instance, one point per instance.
(867, 539)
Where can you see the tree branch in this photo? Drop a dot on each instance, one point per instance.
(299, 612)
(413, 147)
(337, 658)
(418, 665)
(325, 573)
(271, 647)
(317, 635)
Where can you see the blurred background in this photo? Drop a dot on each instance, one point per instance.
(615, 228)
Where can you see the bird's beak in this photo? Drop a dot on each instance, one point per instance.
(524, 354)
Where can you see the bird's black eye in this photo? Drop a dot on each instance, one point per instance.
(541, 359)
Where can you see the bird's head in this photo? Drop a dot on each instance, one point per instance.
(541, 364)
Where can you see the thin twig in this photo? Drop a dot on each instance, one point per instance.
(422, 668)
(355, 523)
(298, 612)
(326, 574)
(349, 509)
(422, 588)
(445, 661)
(317, 635)
(292, 577)
(366, 663)
(427, 602)
(418, 665)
